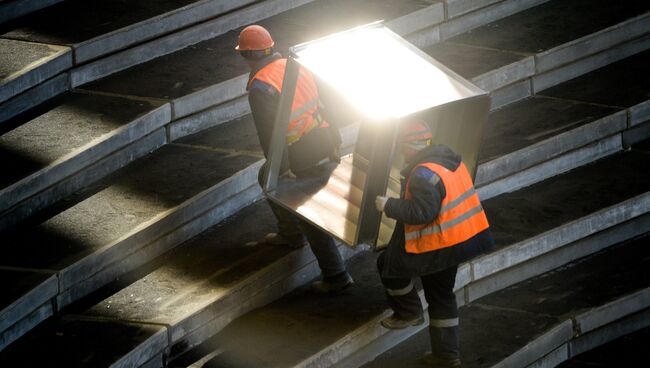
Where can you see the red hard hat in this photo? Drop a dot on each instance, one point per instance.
(253, 38)
(414, 130)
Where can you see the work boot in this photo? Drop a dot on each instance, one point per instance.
(333, 284)
(297, 241)
(395, 322)
(435, 362)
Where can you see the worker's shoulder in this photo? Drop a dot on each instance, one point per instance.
(425, 174)
(263, 87)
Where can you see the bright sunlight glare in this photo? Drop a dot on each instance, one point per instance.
(379, 74)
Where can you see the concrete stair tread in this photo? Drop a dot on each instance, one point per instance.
(567, 197)
(197, 67)
(499, 325)
(74, 123)
(12, 9)
(77, 341)
(26, 64)
(140, 192)
(551, 24)
(536, 119)
(628, 350)
(90, 20)
(116, 218)
(542, 46)
(625, 83)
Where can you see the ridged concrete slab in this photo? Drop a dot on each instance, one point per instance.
(79, 131)
(104, 27)
(537, 129)
(12, 9)
(32, 98)
(76, 341)
(213, 79)
(624, 84)
(123, 221)
(26, 64)
(521, 324)
(549, 32)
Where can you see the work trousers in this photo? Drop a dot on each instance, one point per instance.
(322, 245)
(439, 293)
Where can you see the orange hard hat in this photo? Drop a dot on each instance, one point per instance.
(414, 135)
(254, 38)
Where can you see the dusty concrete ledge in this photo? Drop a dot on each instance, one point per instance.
(18, 329)
(592, 44)
(178, 40)
(76, 161)
(32, 300)
(33, 97)
(636, 134)
(209, 118)
(12, 9)
(24, 65)
(418, 20)
(541, 346)
(640, 113)
(154, 27)
(552, 167)
(91, 174)
(590, 63)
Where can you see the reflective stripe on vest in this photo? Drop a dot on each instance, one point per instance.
(461, 215)
(304, 109)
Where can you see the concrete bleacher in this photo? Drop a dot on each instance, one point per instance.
(534, 135)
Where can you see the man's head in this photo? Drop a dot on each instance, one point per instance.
(414, 135)
(254, 43)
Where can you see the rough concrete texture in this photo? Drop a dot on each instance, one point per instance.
(625, 83)
(299, 325)
(496, 326)
(135, 195)
(215, 61)
(80, 342)
(531, 211)
(533, 120)
(25, 64)
(236, 135)
(91, 19)
(627, 351)
(551, 24)
(74, 122)
(202, 270)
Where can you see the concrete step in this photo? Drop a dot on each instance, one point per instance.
(74, 142)
(629, 350)
(12, 9)
(550, 318)
(120, 223)
(538, 48)
(197, 292)
(537, 229)
(566, 126)
(106, 37)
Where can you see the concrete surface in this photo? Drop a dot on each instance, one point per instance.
(12, 9)
(75, 341)
(25, 64)
(32, 98)
(497, 326)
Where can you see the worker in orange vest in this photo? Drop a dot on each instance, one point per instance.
(311, 143)
(440, 224)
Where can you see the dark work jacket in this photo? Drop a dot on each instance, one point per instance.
(423, 208)
(264, 100)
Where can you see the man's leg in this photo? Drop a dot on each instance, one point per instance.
(443, 317)
(288, 225)
(402, 298)
(335, 277)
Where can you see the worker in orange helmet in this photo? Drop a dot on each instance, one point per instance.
(311, 142)
(440, 224)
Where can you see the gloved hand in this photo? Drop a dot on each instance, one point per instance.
(380, 203)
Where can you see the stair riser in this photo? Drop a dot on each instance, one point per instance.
(15, 9)
(26, 324)
(34, 97)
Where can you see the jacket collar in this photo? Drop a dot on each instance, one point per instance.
(437, 153)
(259, 65)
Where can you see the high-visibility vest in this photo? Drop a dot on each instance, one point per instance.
(304, 110)
(461, 215)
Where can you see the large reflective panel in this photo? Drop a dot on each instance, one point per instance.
(370, 80)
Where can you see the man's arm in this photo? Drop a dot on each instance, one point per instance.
(427, 192)
(263, 100)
